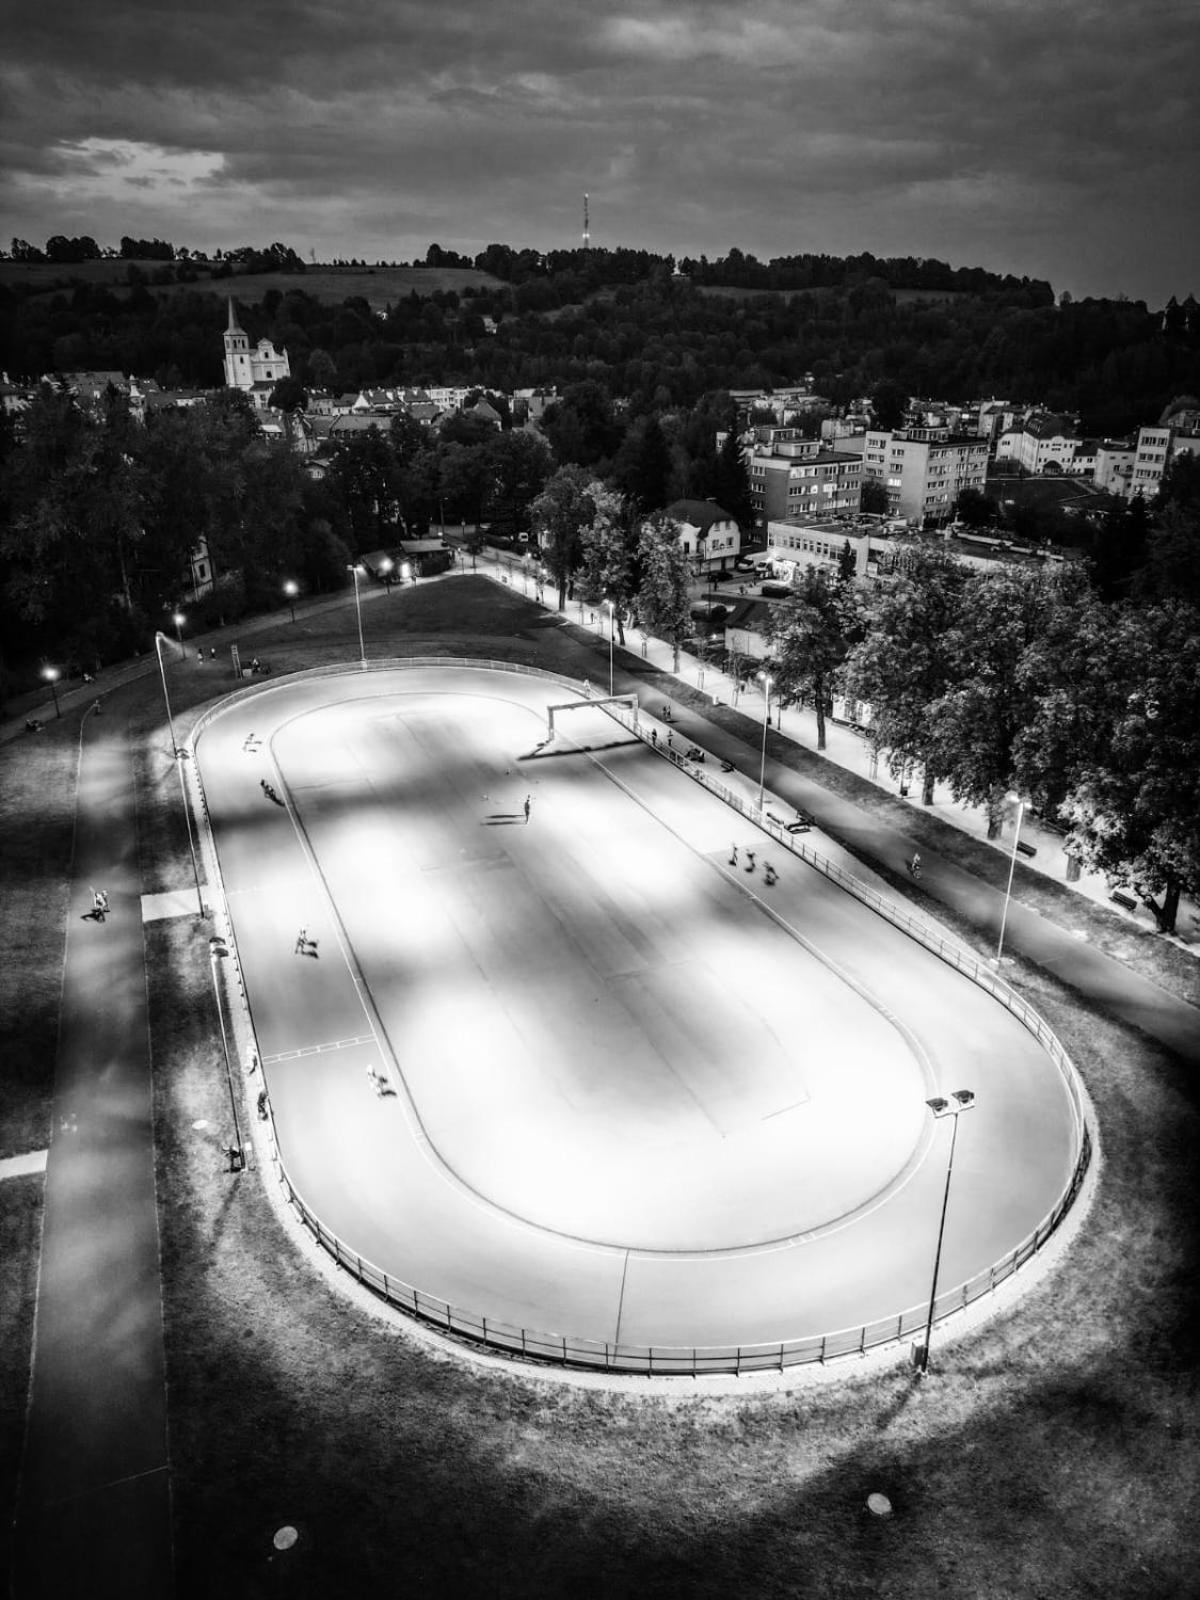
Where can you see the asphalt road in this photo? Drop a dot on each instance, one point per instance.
(638, 1095)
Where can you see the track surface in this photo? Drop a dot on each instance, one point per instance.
(640, 1096)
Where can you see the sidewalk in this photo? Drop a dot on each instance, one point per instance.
(93, 1504)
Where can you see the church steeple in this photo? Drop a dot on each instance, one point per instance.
(256, 371)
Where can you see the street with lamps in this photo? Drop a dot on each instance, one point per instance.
(159, 640)
(291, 588)
(217, 949)
(766, 680)
(362, 649)
(1012, 863)
(961, 1100)
(51, 676)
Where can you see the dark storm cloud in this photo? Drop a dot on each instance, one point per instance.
(1048, 139)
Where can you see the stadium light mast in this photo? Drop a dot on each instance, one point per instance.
(766, 680)
(961, 1100)
(362, 649)
(587, 232)
(159, 640)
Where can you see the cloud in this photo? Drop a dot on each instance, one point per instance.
(1061, 135)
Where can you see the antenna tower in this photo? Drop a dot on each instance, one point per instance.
(587, 236)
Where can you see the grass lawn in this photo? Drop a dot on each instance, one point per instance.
(1053, 1452)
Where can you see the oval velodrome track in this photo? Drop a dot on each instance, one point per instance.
(636, 1095)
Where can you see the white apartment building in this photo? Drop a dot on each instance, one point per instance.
(797, 478)
(1156, 448)
(925, 470)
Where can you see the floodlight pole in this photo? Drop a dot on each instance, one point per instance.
(612, 623)
(942, 1108)
(51, 676)
(362, 649)
(177, 755)
(216, 949)
(762, 771)
(1012, 864)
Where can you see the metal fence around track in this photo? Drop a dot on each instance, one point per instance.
(680, 1361)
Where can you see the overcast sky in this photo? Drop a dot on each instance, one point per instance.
(1056, 139)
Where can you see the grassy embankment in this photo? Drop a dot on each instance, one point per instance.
(1054, 1452)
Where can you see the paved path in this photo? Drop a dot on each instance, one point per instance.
(93, 1513)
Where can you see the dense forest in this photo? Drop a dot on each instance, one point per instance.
(653, 335)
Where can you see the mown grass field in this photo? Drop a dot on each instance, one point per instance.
(379, 286)
(1055, 1452)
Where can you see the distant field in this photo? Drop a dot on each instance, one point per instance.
(379, 286)
(900, 296)
(1040, 491)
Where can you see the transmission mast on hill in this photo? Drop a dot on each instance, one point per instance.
(587, 235)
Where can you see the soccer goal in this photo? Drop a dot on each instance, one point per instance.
(613, 704)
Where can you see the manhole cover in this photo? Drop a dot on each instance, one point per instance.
(879, 1504)
(285, 1538)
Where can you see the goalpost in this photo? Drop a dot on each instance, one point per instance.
(606, 703)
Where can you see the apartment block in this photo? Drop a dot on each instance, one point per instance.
(925, 470)
(796, 478)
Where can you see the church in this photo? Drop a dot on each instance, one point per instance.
(255, 371)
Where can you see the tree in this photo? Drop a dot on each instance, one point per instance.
(644, 467)
(1112, 749)
(810, 635)
(519, 464)
(975, 723)
(663, 604)
(873, 499)
(558, 516)
(606, 557)
(974, 508)
(889, 406)
(365, 475)
(731, 480)
(903, 662)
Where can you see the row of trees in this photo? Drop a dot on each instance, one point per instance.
(1021, 680)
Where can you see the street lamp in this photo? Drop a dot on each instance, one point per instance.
(385, 566)
(51, 676)
(1012, 863)
(612, 623)
(291, 588)
(178, 618)
(362, 649)
(237, 1156)
(159, 639)
(961, 1100)
(766, 682)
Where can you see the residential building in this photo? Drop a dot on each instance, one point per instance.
(799, 479)
(707, 533)
(746, 629)
(1155, 450)
(255, 370)
(925, 470)
(1114, 465)
(1041, 440)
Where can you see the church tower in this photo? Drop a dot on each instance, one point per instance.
(257, 371)
(237, 353)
